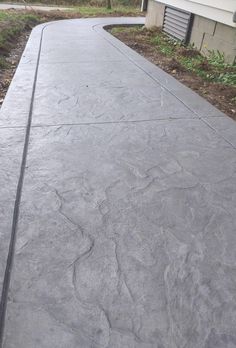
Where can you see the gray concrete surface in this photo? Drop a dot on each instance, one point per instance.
(8, 6)
(127, 220)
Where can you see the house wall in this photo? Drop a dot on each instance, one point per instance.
(217, 10)
(207, 34)
(155, 14)
(211, 35)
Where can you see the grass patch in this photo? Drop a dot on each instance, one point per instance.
(11, 26)
(90, 11)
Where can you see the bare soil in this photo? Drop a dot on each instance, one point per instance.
(13, 58)
(217, 94)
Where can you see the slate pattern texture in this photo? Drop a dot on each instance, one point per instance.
(10, 155)
(127, 227)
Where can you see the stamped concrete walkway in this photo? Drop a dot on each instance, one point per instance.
(124, 228)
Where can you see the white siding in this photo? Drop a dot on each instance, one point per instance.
(217, 10)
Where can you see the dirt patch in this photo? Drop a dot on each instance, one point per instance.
(13, 54)
(222, 96)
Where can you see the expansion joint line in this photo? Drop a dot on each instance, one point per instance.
(15, 217)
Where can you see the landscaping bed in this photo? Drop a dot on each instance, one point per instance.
(210, 77)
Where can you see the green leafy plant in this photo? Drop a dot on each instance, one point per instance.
(216, 58)
(227, 78)
(211, 68)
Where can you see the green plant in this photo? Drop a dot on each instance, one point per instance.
(166, 50)
(216, 58)
(228, 78)
(3, 63)
(156, 40)
(88, 11)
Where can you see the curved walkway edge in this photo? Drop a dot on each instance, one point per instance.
(117, 200)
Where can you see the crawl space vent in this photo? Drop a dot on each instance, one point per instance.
(177, 23)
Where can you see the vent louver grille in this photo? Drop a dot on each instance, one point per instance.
(177, 23)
